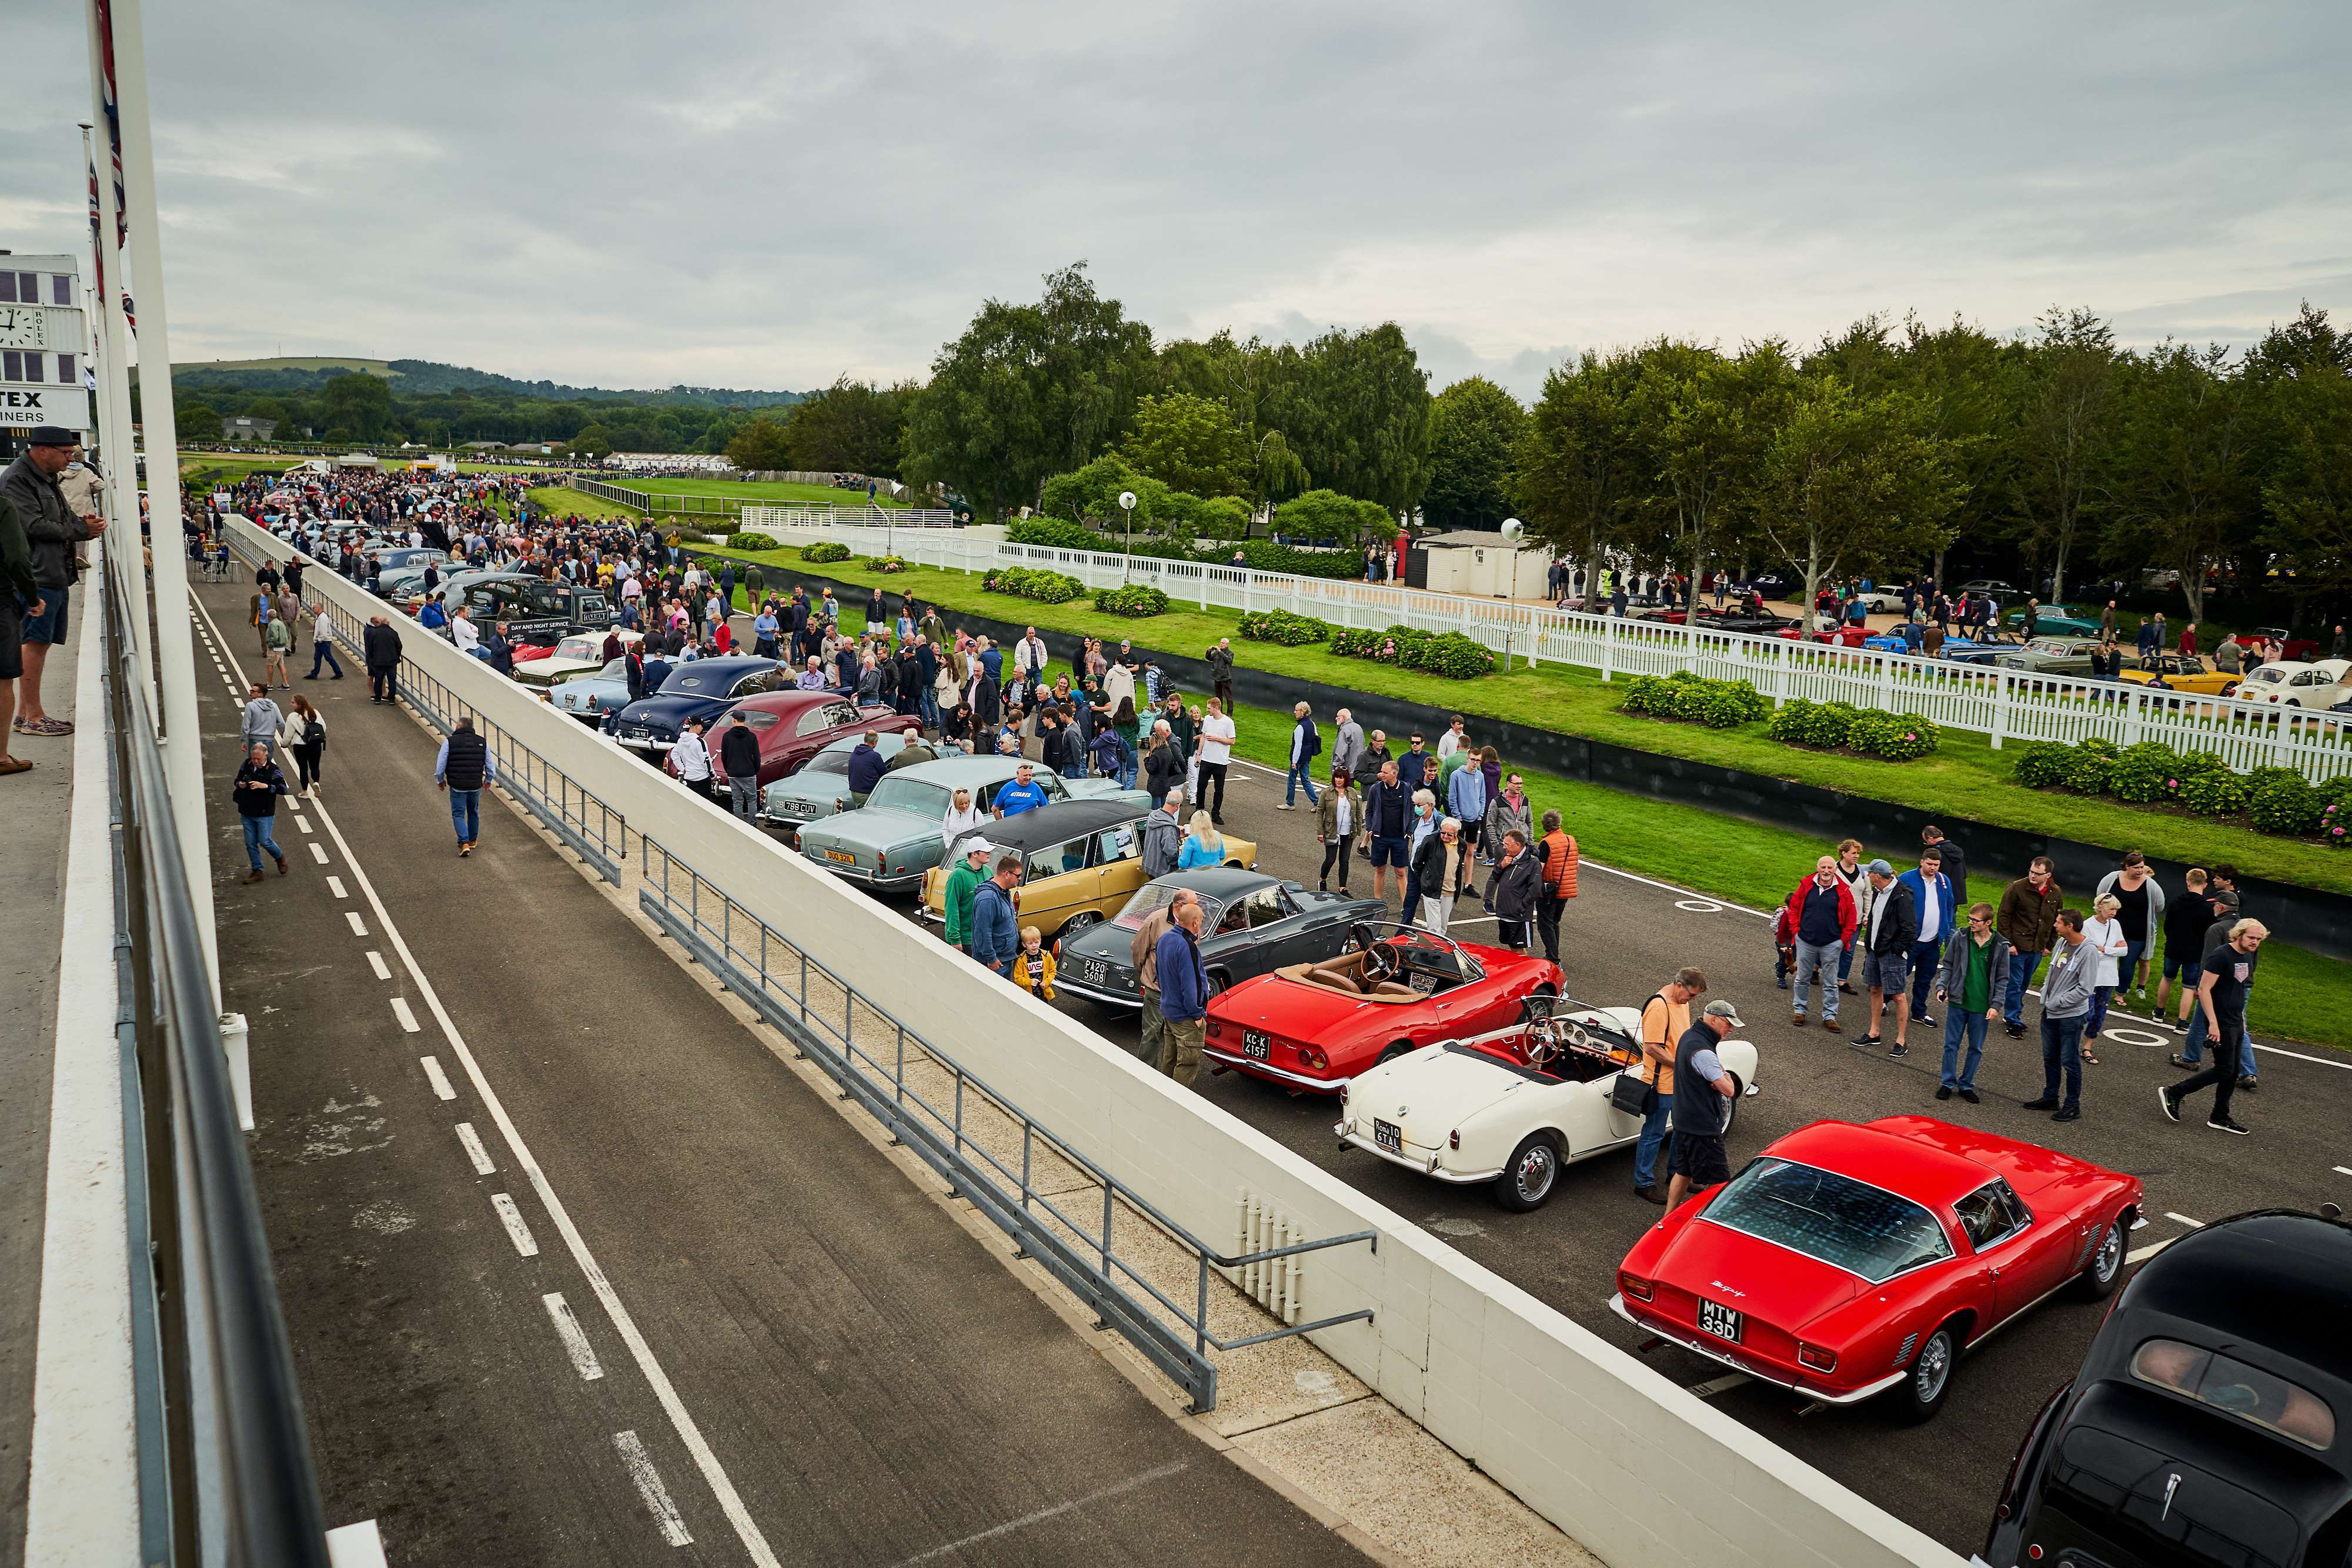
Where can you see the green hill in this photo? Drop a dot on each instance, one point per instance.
(300, 375)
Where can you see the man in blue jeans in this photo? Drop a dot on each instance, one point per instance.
(1665, 1019)
(1305, 745)
(464, 767)
(2066, 1008)
(1974, 981)
(2217, 935)
(1933, 897)
(2027, 916)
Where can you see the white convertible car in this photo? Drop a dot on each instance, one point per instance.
(1511, 1107)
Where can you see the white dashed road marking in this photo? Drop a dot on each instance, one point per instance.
(359, 926)
(575, 1342)
(400, 1011)
(335, 886)
(516, 1231)
(2184, 1220)
(303, 822)
(375, 962)
(648, 1480)
(317, 851)
(472, 1142)
(438, 1079)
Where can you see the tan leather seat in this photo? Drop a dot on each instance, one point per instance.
(1335, 980)
(1391, 988)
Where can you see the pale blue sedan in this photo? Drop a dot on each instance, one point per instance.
(591, 698)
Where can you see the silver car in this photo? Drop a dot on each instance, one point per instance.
(892, 840)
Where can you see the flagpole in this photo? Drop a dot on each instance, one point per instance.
(110, 363)
(175, 653)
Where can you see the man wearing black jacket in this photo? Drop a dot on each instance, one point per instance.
(1886, 956)
(738, 756)
(1388, 820)
(379, 644)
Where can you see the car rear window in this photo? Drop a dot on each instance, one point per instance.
(909, 795)
(1154, 895)
(828, 762)
(2237, 1389)
(1834, 1220)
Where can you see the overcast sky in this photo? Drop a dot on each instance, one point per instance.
(749, 195)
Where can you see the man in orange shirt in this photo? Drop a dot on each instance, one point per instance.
(1665, 1019)
(1558, 850)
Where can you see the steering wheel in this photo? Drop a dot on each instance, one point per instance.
(1380, 962)
(1543, 1041)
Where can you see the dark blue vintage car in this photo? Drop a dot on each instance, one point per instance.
(700, 688)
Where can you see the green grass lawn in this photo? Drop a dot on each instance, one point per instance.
(2304, 997)
(1966, 778)
(563, 501)
(757, 493)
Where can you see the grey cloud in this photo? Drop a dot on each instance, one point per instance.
(756, 195)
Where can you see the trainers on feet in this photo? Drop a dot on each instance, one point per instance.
(2044, 1103)
(1897, 1052)
(2225, 1124)
(2171, 1103)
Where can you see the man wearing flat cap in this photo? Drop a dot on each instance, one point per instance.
(30, 484)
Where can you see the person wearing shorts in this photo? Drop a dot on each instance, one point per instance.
(51, 530)
(1891, 931)
(1703, 1089)
(16, 578)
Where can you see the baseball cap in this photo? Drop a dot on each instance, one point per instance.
(1880, 868)
(980, 847)
(1722, 1009)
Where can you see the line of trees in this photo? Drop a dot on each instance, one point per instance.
(1885, 445)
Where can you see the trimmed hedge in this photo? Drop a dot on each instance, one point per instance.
(1054, 533)
(825, 551)
(1447, 654)
(1895, 736)
(1136, 601)
(1823, 726)
(748, 540)
(2272, 799)
(1718, 705)
(1032, 583)
(1282, 626)
(885, 564)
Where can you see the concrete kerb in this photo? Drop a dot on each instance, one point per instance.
(1192, 1158)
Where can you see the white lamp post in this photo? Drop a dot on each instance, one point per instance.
(1126, 562)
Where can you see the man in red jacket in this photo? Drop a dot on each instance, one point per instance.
(1821, 916)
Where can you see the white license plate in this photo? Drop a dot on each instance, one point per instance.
(1720, 1321)
(1254, 1045)
(1096, 970)
(1387, 1135)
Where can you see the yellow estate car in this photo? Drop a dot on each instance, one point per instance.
(2183, 673)
(1081, 861)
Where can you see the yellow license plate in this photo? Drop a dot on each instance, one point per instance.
(843, 856)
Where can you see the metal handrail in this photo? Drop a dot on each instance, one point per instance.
(1094, 1268)
(233, 1426)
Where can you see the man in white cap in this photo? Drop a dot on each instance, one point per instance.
(1703, 1089)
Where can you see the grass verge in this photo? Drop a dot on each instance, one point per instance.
(1966, 778)
(2303, 996)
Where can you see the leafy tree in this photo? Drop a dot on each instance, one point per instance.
(1703, 421)
(1578, 464)
(851, 427)
(1241, 377)
(1191, 443)
(197, 422)
(2184, 483)
(1953, 375)
(361, 403)
(2309, 490)
(1847, 483)
(2064, 434)
(1329, 518)
(1027, 392)
(1473, 430)
(593, 440)
(762, 447)
(1354, 408)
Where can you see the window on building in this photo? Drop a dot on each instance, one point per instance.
(65, 376)
(11, 363)
(60, 289)
(33, 367)
(7, 288)
(28, 288)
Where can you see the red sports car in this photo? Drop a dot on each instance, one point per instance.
(1844, 637)
(1847, 1261)
(795, 726)
(1315, 1025)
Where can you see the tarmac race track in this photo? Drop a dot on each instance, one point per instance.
(1625, 935)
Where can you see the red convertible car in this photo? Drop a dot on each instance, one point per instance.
(795, 726)
(1395, 988)
(1847, 1261)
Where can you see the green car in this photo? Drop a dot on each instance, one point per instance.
(2056, 621)
(2052, 656)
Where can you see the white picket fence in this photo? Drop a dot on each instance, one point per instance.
(2005, 705)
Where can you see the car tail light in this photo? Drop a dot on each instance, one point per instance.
(1634, 1286)
(1216, 1029)
(2034, 1551)
(1817, 1357)
(1311, 1057)
(1453, 1139)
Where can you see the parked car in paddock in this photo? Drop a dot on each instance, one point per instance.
(1880, 600)
(2052, 656)
(1082, 863)
(2290, 645)
(2201, 1431)
(1843, 636)
(793, 727)
(1850, 1260)
(1755, 622)
(1990, 587)
(404, 568)
(1316, 1025)
(2289, 683)
(575, 656)
(698, 688)
(1968, 651)
(820, 787)
(1512, 1106)
(2055, 620)
(534, 610)
(892, 840)
(2182, 672)
(591, 699)
(1770, 584)
(1251, 924)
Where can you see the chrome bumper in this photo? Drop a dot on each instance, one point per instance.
(1321, 1085)
(1109, 999)
(1428, 1168)
(1723, 1358)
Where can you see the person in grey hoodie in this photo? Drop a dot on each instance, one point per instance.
(1347, 744)
(1163, 835)
(2066, 1008)
(259, 727)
